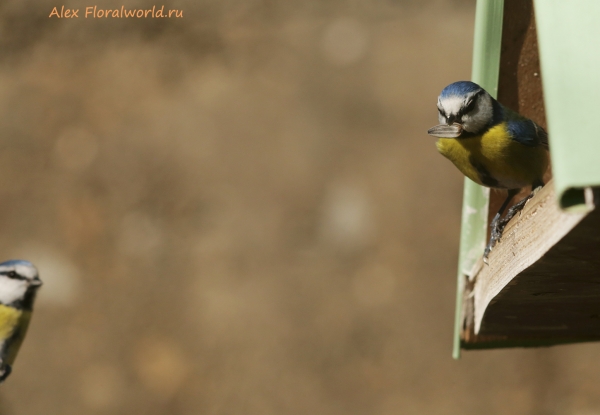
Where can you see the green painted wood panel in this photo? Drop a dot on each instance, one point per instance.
(569, 43)
(485, 72)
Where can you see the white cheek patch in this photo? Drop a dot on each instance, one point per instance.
(11, 289)
(480, 116)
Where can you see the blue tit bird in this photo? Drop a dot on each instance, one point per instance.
(19, 282)
(491, 145)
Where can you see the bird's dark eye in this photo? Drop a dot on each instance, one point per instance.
(469, 107)
(441, 111)
(12, 274)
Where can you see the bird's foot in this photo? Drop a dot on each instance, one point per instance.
(497, 229)
(512, 212)
(498, 224)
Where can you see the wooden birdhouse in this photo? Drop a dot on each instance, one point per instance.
(542, 284)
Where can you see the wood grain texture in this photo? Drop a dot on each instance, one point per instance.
(542, 285)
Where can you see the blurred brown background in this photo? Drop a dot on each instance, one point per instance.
(240, 212)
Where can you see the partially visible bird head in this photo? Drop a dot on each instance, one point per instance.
(18, 278)
(466, 104)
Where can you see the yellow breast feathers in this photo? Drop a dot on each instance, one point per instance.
(494, 159)
(13, 326)
(9, 319)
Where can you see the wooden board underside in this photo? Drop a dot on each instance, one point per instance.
(542, 286)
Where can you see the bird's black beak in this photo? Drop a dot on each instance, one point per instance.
(36, 282)
(446, 131)
(450, 119)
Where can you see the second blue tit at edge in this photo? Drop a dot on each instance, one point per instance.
(19, 282)
(491, 145)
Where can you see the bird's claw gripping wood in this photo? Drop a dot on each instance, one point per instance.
(498, 224)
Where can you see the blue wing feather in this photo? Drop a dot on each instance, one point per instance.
(523, 131)
(526, 132)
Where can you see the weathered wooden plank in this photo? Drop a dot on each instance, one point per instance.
(542, 285)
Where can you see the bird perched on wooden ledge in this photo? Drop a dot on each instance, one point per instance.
(491, 145)
(19, 282)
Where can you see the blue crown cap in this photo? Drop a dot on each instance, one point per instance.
(16, 262)
(459, 88)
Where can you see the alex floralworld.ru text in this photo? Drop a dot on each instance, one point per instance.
(94, 12)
